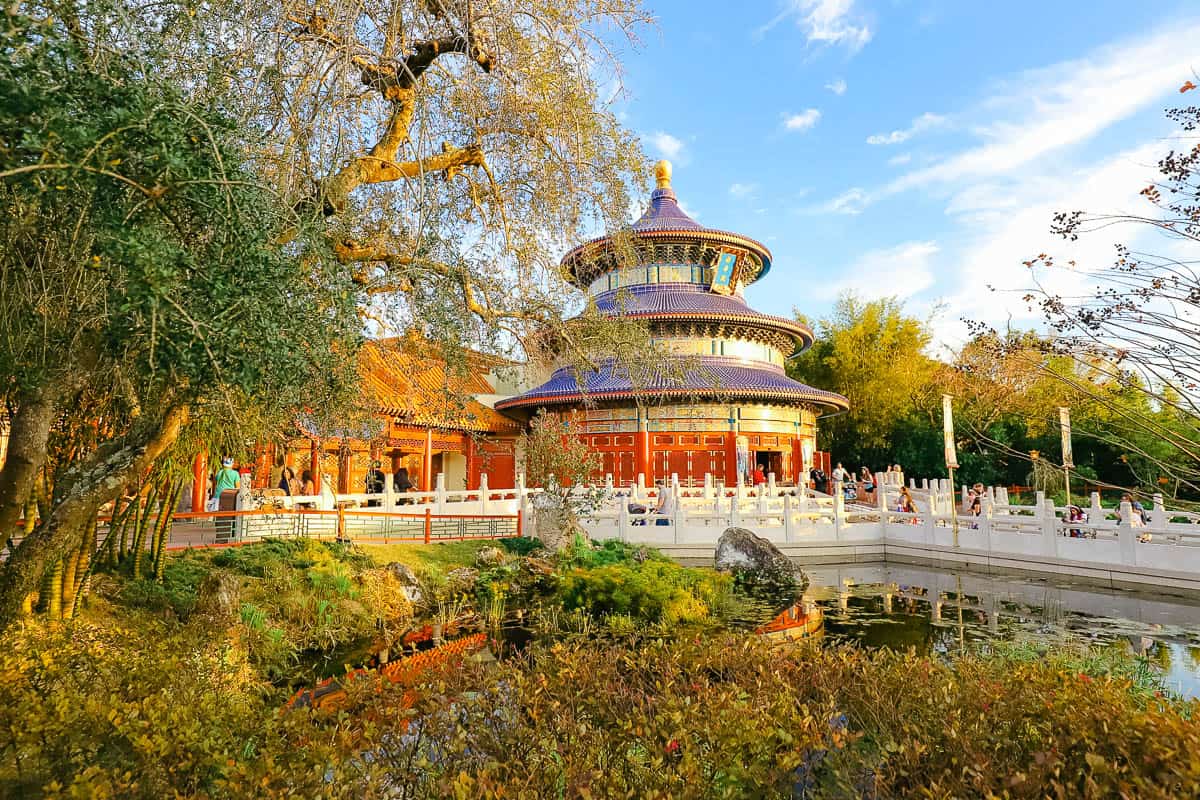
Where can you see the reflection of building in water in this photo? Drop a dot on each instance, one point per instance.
(800, 621)
(721, 403)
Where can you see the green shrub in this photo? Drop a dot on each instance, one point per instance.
(608, 552)
(151, 708)
(178, 591)
(259, 558)
(143, 710)
(651, 591)
(733, 717)
(520, 546)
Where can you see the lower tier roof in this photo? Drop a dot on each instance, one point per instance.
(714, 378)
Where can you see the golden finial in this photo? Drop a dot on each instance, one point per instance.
(662, 174)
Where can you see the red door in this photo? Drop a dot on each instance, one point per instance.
(677, 464)
(625, 475)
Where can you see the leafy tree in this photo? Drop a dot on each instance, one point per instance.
(453, 149)
(873, 353)
(142, 287)
(557, 459)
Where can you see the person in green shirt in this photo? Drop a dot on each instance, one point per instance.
(227, 478)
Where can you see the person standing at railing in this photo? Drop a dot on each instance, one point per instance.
(820, 480)
(665, 509)
(225, 487)
(1076, 514)
(760, 477)
(373, 482)
(307, 487)
(288, 483)
(1137, 516)
(402, 485)
(868, 485)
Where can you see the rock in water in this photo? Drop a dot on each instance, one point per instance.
(753, 559)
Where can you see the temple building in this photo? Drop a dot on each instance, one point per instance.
(415, 412)
(730, 407)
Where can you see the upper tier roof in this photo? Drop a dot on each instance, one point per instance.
(665, 222)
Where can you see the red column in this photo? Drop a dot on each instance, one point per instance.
(427, 462)
(731, 458)
(798, 462)
(472, 477)
(314, 465)
(641, 457)
(199, 483)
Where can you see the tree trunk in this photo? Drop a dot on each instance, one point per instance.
(555, 524)
(51, 601)
(70, 565)
(27, 437)
(87, 562)
(85, 489)
(159, 562)
(139, 533)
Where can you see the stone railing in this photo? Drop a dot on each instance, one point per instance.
(1110, 544)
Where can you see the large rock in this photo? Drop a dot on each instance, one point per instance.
(219, 596)
(408, 579)
(489, 557)
(753, 559)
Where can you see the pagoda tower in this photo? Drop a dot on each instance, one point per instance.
(731, 407)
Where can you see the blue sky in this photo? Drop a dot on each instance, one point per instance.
(915, 148)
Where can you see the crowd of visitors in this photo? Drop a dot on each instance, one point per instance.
(860, 487)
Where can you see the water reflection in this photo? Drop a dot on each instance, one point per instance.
(946, 612)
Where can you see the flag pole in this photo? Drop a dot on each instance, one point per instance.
(951, 459)
(953, 506)
(1068, 457)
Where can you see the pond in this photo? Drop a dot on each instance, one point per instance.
(944, 611)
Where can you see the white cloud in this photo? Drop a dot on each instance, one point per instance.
(1055, 108)
(743, 191)
(1007, 223)
(851, 201)
(1052, 111)
(825, 22)
(901, 271)
(667, 145)
(838, 87)
(900, 159)
(802, 121)
(924, 122)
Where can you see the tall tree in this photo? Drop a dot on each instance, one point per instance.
(873, 353)
(142, 286)
(455, 148)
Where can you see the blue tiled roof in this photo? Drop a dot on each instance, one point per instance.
(664, 214)
(690, 301)
(714, 376)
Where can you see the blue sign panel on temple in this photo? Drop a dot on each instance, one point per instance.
(722, 281)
